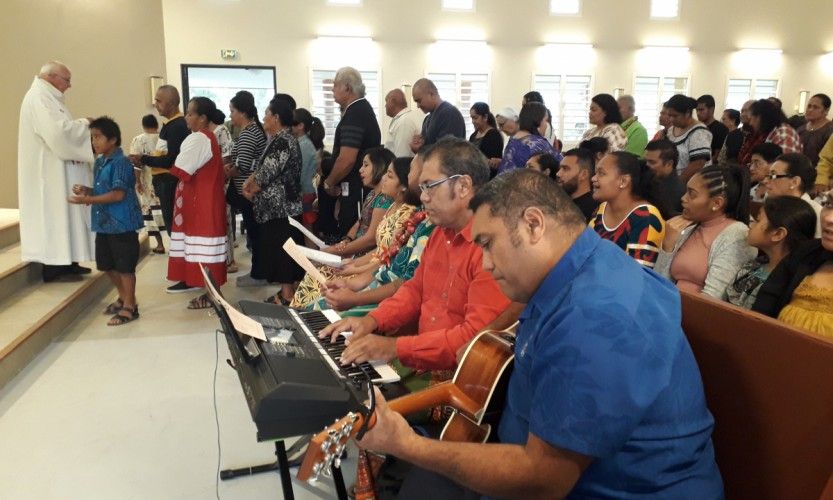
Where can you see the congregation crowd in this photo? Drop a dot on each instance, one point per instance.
(443, 236)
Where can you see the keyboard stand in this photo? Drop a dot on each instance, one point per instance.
(282, 465)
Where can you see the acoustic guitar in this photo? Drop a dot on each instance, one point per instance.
(473, 393)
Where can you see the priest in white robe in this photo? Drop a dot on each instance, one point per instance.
(54, 153)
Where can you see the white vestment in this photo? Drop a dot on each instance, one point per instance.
(53, 153)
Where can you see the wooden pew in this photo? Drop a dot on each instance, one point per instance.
(770, 389)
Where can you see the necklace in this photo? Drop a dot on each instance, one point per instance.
(811, 128)
(395, 205)
(402, 238)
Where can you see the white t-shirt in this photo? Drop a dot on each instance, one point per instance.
(693, 144)
(816, 208)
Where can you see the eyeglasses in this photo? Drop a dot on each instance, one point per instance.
(778, 176)
(826, 199)
(67, 80)
(426, 187)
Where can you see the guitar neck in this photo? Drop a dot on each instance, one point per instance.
(483, 365)
(333, 442)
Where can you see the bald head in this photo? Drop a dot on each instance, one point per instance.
(166, 101)
(426, 96)
(395, 102)
(57, 74)
(425, 85)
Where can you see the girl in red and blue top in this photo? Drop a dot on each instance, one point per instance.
(624, 185)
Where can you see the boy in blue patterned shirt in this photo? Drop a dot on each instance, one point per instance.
(116, 217)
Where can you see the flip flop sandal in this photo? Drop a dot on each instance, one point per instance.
(114, 307)
(277, 299)
(120, 319)
(201, 302)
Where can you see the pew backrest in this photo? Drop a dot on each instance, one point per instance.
(770, 389)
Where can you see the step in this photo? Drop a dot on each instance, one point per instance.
(15, 275)
(49, 309)
(9, 228)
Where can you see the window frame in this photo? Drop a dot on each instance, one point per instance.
(186, 87)
(444, 8)
(653, 127)
(558, 111)
(377, 106)
(664, 18)
(457, 102)
(753, 87)
(577, 13)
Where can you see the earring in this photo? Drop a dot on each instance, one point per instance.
(714, 209)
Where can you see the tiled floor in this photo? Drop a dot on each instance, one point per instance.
(128, 413)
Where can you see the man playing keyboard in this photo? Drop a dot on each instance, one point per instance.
(450, 296)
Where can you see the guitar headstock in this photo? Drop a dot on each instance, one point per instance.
(326, 448)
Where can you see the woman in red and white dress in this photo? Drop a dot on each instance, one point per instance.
(198, 235)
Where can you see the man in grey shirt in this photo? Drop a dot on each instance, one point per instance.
(443, 118)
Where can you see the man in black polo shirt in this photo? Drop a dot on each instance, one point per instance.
(443, 118)
(173, 132)
(705, 113)
(574, 173)
(357, 132)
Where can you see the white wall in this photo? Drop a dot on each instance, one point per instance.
(282, 32)
(112, 48)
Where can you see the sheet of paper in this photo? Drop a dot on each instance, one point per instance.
(313, 238)
(240, 321)
(243, 323)
(321, 257)
(293, 251)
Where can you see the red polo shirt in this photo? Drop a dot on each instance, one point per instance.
(450, 294)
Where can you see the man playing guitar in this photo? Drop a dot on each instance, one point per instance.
(605, 399)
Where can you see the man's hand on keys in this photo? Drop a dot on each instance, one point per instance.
(359, 326)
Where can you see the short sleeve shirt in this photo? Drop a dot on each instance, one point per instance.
(519, 151)
(116, 173)
(640, 234)
(692, 145)
(358, 129)
(602, 368)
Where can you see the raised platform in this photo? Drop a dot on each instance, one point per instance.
(33, 313)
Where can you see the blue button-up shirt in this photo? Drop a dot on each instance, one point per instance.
(602, 368)
(116, 172)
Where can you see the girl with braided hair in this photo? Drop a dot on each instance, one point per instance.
(705, 247)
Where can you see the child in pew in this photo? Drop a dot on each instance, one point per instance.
(116, 217)
(783, 224)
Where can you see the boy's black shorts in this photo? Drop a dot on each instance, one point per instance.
(117, 252)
